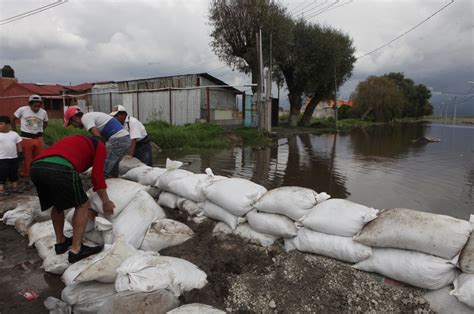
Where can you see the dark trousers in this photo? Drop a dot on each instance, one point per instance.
(143, 152)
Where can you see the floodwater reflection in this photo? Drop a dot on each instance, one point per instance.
(378, 167)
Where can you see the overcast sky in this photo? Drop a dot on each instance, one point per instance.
(97, 40)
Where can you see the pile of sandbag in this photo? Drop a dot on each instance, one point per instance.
(414, 247)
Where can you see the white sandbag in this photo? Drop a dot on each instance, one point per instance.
(156, 302)
(172, 164)
(128, 163)
(147, 271)
(190, 208)
(338, 217)
(340, 248)
(57, 264)
(438, 235)
(90, 223)
(246, 233)
(191, 187)
(291, 201)
(466, 259)
(135, 219)
(25, 208)
(235, 195)
(135, 174)
(46, 244)
(43, 229)
(56, 306)
(441, 302)
(168, 199)
(196, 308)
(120, 191)
(86, 291)
(105, 227)
(272, 224)
(95, 237)
(69, 276)
(151, 177)
(414, 268)
(216, 212)
(171, 175)
(165, 233)
(103, 267)
(464, 289)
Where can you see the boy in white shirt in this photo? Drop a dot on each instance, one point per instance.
(33, 122)
(10, 153)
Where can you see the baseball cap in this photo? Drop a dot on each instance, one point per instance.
(117, 109)
(35, 98)
(69, 113)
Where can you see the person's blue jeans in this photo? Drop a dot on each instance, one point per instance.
(144, 153)
(116, 149)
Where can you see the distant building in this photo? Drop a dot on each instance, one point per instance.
(325, 109)
(178, 99)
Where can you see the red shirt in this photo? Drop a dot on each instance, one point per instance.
(80, 152)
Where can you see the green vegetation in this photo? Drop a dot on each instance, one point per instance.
(251, 137)
(328, 125)
(56, 131)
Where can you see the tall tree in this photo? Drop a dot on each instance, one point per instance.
(380, 97)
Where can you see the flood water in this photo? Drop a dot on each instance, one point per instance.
(378, 167)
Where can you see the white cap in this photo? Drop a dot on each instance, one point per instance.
(117, 109)
(35, 98)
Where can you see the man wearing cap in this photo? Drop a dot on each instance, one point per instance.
(55, 174)
(33, 122)
(105, 127)
(140, 146)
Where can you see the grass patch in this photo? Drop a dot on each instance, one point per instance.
(251, 137)
(328, 125)
(56, 131)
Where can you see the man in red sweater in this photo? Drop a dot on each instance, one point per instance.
(55, 173)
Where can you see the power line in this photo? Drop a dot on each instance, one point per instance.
(330, 9)
(295, 8)
(32, 12)
(314, 8)
(408, 31)
(303, 8)
(323, 10)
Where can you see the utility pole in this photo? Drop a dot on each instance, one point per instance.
(335, 96)
(268, 109)
(260, 104)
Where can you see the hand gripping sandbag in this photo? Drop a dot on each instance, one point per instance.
(128, 163)
(195, 308)
(291, 201)
(165, 233)
(148, 271)
(246, 233)
(414, 268)
(338, 217)
(466, 259)
(103, 267)
(135, 219)
(235, 195)
(340, 248)
(216, 212)
(120, 191)
(438, 235)
(272, 224)
(464, 289)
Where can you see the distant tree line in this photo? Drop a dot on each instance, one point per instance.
(387, 97)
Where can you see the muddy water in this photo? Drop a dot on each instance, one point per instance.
(378, 167)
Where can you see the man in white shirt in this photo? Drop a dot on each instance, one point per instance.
(33, 122)
(140, 145)
(102, 125)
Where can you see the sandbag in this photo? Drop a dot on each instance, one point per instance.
(190, 208)
(46, 244)
(340, 248)
(156, 302)
(235, 195)
(70, 274)
(171, 175)
(86, 291)
(43, 229)
(147, 271)
(151, 177)
(438, 235)
(466, 259)
(216, 212)
(103, 267)
(414, 268)
(128, 163)
(246, 233)
(272, 224)
(105, 227)
(136, 173)
(196, 308)
(338, 217)
(165, 233)
(168, 199)
(191, 187)
(25, 209)
(464, 289)
(135, 219)
(291, 201)
(56, 306)
(120, 191)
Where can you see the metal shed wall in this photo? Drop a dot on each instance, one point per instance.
(105, 97)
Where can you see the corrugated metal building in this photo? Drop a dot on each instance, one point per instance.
(177, 99)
